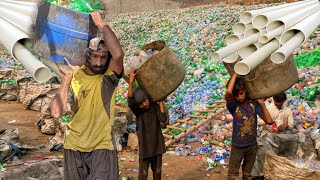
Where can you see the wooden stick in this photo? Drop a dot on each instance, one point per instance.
(207, 110)
(187, 122)
(167, 129)
(191, 129)
(197, 116)
(168, 136)
(176, 128)
(221, 101)
(216, 106)
(175, 125)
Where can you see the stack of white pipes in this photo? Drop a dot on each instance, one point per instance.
(17, 27)
(273, 32)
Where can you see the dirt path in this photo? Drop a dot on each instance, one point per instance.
(13, 115)
(174, 167)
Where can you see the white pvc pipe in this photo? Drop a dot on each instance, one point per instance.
(247, 16)
(23, 22)
(278, 38)
(240, 28)
(53, 66)
(232, 39)
(231, 58)
(9, 37)
(294, 37)
(286, 50)
(32, 4)
(292, 18)
(259, 44)
(306, 26)
(246, 51)
(228, 50)
(261, 21)
(27, 10)
(249, 63)
(287, 35)
(272, 34)
(253, 30)
(38, 71)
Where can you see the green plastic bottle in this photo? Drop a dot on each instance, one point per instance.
(65, 119)
(294, 92)
(311, 93)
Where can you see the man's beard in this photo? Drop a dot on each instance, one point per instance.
(98, 69)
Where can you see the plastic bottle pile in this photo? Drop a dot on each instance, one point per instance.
(81, 5)
(194, 34)
(214, 155)
(136, 62)
(305, 98)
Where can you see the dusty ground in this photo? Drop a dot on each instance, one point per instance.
(174, 167)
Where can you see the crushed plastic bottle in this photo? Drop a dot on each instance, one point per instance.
(181, 151)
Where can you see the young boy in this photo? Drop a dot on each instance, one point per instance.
(150, 117)
(244, 134)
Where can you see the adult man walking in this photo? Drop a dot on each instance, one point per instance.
(89, 146)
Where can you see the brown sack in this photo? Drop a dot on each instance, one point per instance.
(277, 167)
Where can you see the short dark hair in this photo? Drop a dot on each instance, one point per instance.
(239, 85)
(280, 97)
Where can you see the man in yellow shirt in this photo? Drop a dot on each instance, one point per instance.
(90, 152)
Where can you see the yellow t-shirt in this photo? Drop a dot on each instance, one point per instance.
(93, 103)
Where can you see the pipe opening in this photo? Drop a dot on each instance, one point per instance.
(260, 21)
(239, 28)
(288, 35)
(264, 39)
(246, 51)
(231, 58)
(42, 74)
(274, 25)
(246, 17)
(241, 68)
(216, 56)
(278, 57)
(232, 39)
(251, 31)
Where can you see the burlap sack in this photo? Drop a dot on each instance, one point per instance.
(277, 167)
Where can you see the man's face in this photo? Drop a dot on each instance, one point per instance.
(98, 61)
(144, 104)
(278, 104)
(241, 96)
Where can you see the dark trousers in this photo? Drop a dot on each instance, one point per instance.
(246, 155)
(99, 164)
(155, 162)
